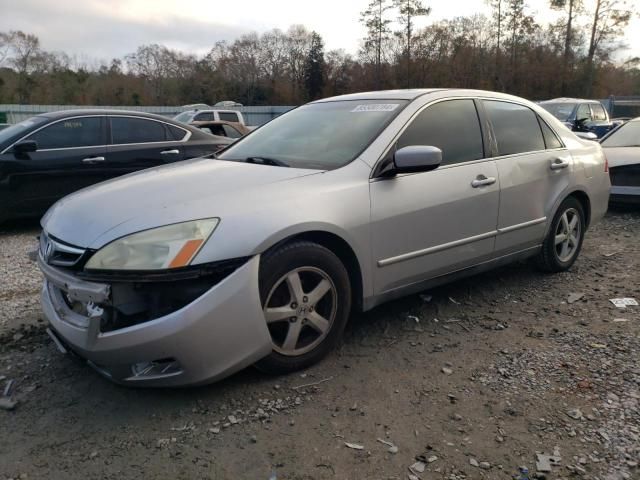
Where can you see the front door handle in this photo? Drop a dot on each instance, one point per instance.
(175, 151)
(559, 164)
(482, 181)
(93, 159)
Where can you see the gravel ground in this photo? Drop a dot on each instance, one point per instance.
(472, 380)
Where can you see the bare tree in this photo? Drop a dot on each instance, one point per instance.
(572, 7)
(609, 19)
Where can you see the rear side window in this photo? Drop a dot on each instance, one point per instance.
(452, 126)
(126, 130)
(74, 132)
(176, 133)
(598, 112)
(231, 132)
(550, 138)
(228, 116)
(515, 126)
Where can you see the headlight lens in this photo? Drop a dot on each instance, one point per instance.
(173, 246)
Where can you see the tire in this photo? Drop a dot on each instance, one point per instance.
(295, 309)
(553, 257)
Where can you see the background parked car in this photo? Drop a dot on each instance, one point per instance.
(580, 115)
(622, 148)
(198, 115)
(230, 130)
(51, 155)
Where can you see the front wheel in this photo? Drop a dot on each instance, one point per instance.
(306, 299)
(563, 243)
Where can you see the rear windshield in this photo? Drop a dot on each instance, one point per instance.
(318, 135)
(628, 135)
(562, 111)
(23, 127)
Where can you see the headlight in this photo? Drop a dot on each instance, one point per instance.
(172, 246)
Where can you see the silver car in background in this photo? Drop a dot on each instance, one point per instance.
(184, 274)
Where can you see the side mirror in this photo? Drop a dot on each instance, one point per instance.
(417, 158)
(586, 135)
(25, 147)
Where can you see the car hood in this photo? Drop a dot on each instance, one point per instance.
(621, 156)
(173, 193)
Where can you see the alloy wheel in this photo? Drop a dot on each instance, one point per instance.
(300, 310)
(567, 238)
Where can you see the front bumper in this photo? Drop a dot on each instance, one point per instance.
(219, 333)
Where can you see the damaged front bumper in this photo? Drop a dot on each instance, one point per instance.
(218, 333)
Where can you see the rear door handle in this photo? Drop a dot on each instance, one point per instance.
(175, 151)
(93, 159)
(559, 164)
(482, 181)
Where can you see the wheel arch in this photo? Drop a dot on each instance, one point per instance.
(582, 197)
(342, 249)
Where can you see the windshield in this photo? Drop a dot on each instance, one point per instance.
(184, 117)
(628, 135)
(22, 127)
(562, 111)
(318, 135)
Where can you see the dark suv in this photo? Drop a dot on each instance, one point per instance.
(51, 155)
(580, 115)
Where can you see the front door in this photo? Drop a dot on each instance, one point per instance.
(431, 223)
(70, 156)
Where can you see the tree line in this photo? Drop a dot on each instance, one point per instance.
(508, 50)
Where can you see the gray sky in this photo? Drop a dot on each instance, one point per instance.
(102, 29)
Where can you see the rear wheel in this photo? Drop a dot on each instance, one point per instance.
(563, 243)
(306, 299)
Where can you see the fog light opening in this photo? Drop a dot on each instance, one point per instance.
(167, 367)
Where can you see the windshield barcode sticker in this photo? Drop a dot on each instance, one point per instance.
(376, 107)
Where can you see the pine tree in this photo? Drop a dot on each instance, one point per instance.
(314, 69)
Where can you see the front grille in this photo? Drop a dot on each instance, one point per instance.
(56, 252)
(625, 176)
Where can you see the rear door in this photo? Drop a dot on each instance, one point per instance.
(137, 143)
(427, 224)
(534, 169)
(70, 156)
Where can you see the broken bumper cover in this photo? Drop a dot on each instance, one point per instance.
(219, 333)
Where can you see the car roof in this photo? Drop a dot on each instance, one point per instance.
(413, 93)
(569, 100)
(96, 111)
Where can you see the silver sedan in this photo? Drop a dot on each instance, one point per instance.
(184, 274)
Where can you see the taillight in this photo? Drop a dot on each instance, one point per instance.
(606, 164)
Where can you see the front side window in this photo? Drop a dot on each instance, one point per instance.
(452, 126)
(71, 133)
(324, 136)
(598, 112)
(515, 126)
(204, 117)
(628, 135)
(561, 110)
(584, 113)
(125, 130)
(228, 116)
